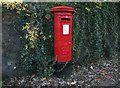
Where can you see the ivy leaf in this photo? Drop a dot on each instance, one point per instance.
(44, 38)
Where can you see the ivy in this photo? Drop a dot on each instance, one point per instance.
(95, 33)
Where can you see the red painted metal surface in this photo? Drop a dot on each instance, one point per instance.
(62, 33)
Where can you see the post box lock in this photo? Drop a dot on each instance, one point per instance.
(62, 33)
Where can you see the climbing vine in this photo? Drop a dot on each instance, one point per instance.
(95, 33)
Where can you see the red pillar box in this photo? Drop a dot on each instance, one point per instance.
(62, 33)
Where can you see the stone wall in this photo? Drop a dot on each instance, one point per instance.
(10, 43)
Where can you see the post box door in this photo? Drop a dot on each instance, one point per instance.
(66, 41)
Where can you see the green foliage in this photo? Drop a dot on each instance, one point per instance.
(36, 53)
(95, 33)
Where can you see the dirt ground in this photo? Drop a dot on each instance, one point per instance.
(103, 74)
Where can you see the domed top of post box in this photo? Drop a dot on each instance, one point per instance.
(62, 9)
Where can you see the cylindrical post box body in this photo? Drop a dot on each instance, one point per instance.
(62, 33)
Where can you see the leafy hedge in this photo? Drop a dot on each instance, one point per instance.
(95, 33)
